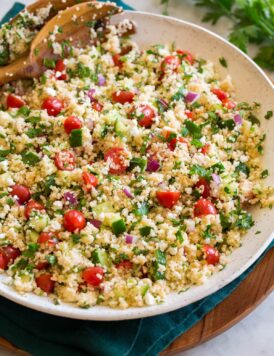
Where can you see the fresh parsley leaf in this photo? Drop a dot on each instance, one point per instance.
(30, 158)
(268, 115)
(223, 62)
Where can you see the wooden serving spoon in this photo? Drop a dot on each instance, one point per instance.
(72, 27)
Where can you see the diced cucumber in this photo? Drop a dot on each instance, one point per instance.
(32, 236)
(39, 222)
(120, 128)
(76, 138)
(102, 257)
(102, 208)
(109, 218)
(118, 226)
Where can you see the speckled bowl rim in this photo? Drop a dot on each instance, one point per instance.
(43, 304)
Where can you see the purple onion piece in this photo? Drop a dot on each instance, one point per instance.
(127, 193)
(71, 198)
(101, 80)
(163, 103)
(238, 119)
(191, 97)
(129, 239)
(90, 94)
(153, 165)
(216, 178)
(96, 223)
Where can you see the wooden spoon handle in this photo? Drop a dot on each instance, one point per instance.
(19, 69)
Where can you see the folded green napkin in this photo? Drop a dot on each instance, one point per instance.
(43, 335)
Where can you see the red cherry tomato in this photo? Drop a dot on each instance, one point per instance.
(117, 60)
(93, 275)
(7, 255)
(45, 283)
(228, 104)
(221, 95)
(144, 114)
(125, 264)
(173, 142)
(170, 63)
(42, 265)
(3, 261)
(74, 220)
(48, 238)
(206, 187)
(53, 106)
(186, 55)
(116, 156)
(14, 101)
(65, 160)
(60, 65)
(204, 207)
(97, 106)
(72, 123)
(90, 180)
(189, 114)
(168, 199)
(123, 96)
(21, 193)
(212, 255)
(205, 148)
(32, 205)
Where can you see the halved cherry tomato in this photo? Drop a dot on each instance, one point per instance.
(202, 182)
(124, 264)
(116, 156)
(65, 160)
(60, 68)
(53, 106)
(212, 255)
(14, 101)
(189, 114)
(205, 148)
(186, 55)
(93, 275)
(48, 238)
(123, 96)
(32, 205)
(229, 104)
(168, 199)
(221, 95)
(117, 60)
(74, 220)
(21, 192)
(45, 283)
(60, 65)
(42, 265)
(170, 63)
(3, 262)
(72, 123)
(90, 180)
(173, 141)
(7, 255)
(97, 106)
(204, 207)
(144, 115)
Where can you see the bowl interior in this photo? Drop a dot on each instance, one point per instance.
(251, 85)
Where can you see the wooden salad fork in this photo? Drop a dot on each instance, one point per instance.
(71, 27)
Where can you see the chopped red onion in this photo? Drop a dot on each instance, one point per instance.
(163, 103)
(153, 165)
(101, 80)
(216, 178)
(127, 193)
(129, 239)
(70, 197)
(191, 97)
(96, 223)
(238, 119)
(90, 94)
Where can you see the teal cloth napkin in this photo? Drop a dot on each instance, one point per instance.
(43, 335)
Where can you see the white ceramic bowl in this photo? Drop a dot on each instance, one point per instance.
(251, 85)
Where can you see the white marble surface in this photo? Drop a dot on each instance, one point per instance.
(254, 335)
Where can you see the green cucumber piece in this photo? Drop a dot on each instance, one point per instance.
(118, 227)
(101, 257)
(76, 138)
